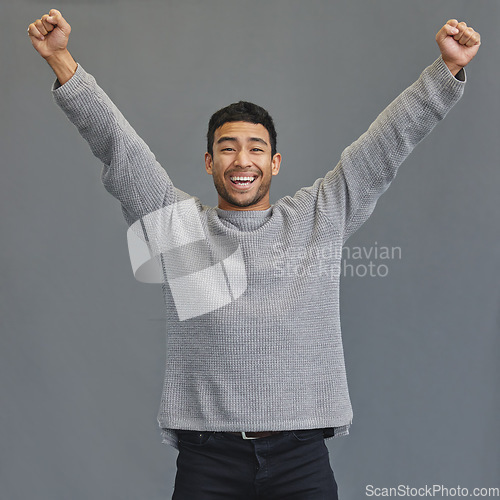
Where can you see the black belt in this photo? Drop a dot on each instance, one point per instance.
(255, 435)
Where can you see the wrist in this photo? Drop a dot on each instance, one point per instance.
(63, 65)
(453, 67)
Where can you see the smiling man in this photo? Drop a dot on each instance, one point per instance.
(246, 157)
(255, 378)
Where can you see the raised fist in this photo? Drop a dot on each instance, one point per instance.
(458, 43)
(49, 34)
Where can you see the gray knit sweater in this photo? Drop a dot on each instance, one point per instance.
(252, 297)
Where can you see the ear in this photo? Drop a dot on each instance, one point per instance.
(275, 164)
(209, 163)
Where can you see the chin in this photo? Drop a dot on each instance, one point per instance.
(243, 203)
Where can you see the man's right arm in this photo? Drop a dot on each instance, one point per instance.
(131, 172)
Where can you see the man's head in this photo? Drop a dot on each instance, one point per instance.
(241, 156)
(241, 112)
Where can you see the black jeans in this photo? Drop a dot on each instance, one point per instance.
(292, 465)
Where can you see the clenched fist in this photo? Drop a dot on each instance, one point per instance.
(49, 35)
(458, 43)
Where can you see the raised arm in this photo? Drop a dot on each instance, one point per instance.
(349, 192)
(130, 172)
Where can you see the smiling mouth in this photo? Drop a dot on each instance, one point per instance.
(242, 181)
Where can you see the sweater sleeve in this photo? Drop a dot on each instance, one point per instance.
(130, 171)
(348, 193)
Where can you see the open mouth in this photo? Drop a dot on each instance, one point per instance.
(242, 180)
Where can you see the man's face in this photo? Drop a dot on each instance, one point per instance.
(242, 166)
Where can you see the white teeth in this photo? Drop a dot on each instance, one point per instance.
(243, 179)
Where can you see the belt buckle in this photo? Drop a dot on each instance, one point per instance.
(244, 436)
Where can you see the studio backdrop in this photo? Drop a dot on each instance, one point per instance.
(82, 343)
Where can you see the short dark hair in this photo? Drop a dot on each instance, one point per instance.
(241, 111)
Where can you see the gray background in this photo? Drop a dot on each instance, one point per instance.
(82, 343)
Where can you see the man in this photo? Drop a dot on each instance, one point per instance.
(255, 377)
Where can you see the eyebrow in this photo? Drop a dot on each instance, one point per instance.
(234, 139)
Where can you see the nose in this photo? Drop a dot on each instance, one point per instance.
(242, 159)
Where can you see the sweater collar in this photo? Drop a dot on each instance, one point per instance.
(233, 215)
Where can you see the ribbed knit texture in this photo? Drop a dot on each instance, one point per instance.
(272, 357)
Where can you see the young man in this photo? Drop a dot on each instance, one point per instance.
(255, 377)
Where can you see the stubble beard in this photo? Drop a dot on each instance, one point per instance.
(240, 201)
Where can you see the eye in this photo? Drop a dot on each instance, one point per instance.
(227, 149)
(257, 149)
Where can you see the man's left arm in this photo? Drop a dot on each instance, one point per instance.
(349, 192)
